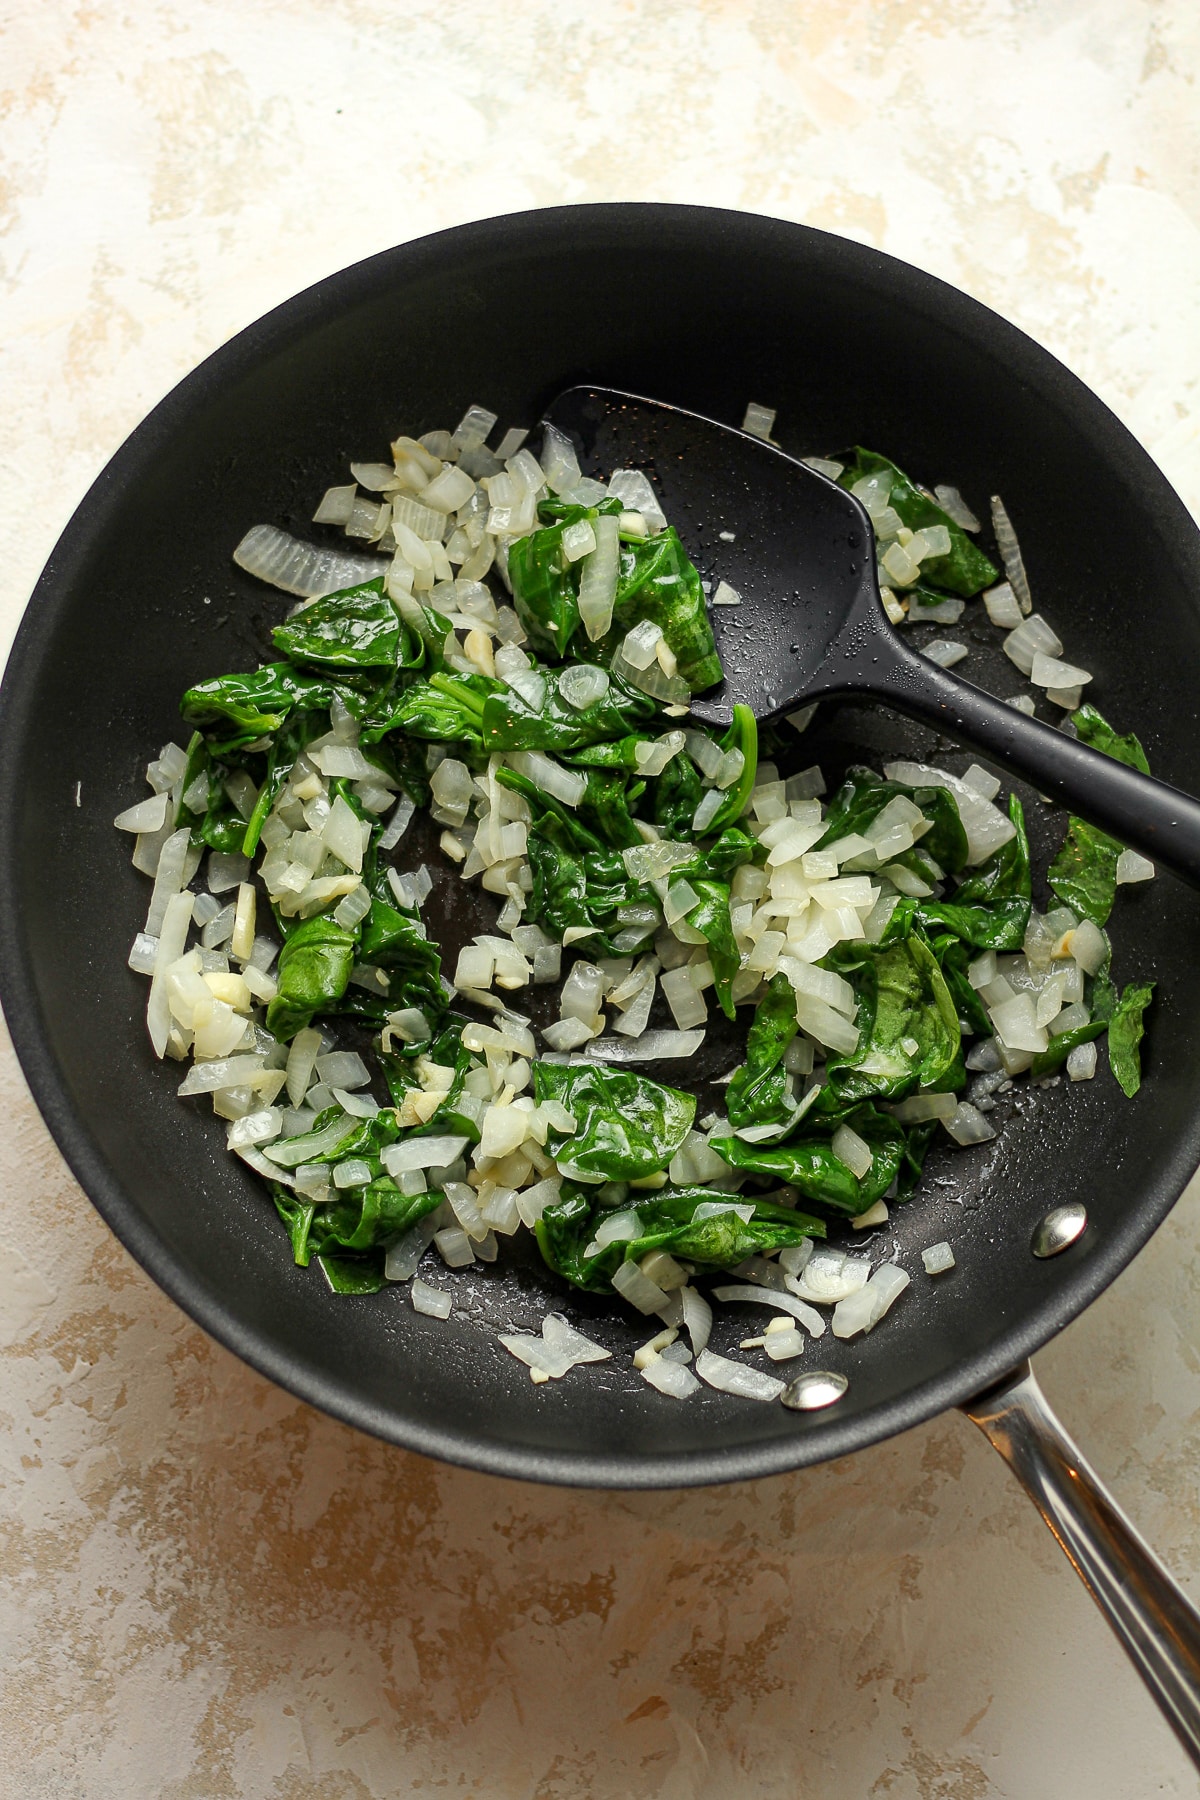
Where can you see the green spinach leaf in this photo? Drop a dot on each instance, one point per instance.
(626, 1125)
(1125, 1030)
(807, 1161)
(757, 1095)
(313, 974)
(903, 1001)
(511, 722)
(666, 1221)
(964, 569)
(1084, 873)
(358, 628)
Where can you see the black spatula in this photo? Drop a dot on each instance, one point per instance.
(801, 552)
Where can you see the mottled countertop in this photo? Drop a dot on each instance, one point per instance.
(211, 1592)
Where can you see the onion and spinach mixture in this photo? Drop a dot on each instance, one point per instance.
(515, 650)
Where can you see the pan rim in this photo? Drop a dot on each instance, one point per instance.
(808, 1443)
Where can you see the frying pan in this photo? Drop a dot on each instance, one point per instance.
(707, 310)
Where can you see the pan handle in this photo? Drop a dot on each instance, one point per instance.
(1151, 1615)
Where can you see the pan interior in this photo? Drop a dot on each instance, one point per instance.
(709, 311)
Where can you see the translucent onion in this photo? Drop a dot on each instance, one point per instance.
(561, 784)
(863, 1311)
(632, 488)
(812, 1321)
(652, 1046)
(560, 464)
(598, 578)
(736, 1378)
(1010, 554)
(284, 562)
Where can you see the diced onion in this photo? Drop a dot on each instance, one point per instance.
(1133, 867)
(1031, 637)
(967, 1125)
(598, 580)
(284, 562)
(812, 1321)
(632, 488)
(422, 1153)
(1010, 554)
(736, 1378)
(651, 1046)
(956, 508)
(863, 1311)
(670, 1378)
(945, 652)
(1003, 607)
(562, 784)
(430, 1300)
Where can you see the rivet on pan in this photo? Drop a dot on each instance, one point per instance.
(1059, 1229)
(819, 1387)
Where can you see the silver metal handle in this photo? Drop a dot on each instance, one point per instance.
(1156, 1623)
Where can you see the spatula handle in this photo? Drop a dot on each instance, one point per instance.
(1141, 812)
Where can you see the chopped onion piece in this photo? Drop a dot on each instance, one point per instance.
(735, 1378)
(1016, 1024)
(759, 421)
(1031, 637)
(1133, 867)
(430, 1300)
(852, 1150)
(147, 815)
(653, 755)
(697, 1317)
(638, 1289)
(1010, 554)
(284, 562)
(422, 1153)
(812, 1321)
(945, 652)
(956, 508)
(924, 1106)
(938, 1258)
(561, 784)
(827, 1275)
(598, 580)
(651, 1046)
(967, 1125)
(640, 644)
(632, 488)
(1048, 672)
(863, 1311)
(582, 684)
(1003, 607)
(670, 1378)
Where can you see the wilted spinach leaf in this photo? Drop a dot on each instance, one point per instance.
(626, 1125)
(1125, 1030)
(358, 628)
(807, 1161)
(757, 1095)
(964, 569)
(666, 1221)
(313, 973)
(903, 1001)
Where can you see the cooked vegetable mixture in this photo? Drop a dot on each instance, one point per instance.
(879, 942)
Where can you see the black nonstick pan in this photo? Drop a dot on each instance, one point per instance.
(707, 310)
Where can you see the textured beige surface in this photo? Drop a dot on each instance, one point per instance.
(209, 1590)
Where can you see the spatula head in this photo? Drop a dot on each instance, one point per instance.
(796, 547)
